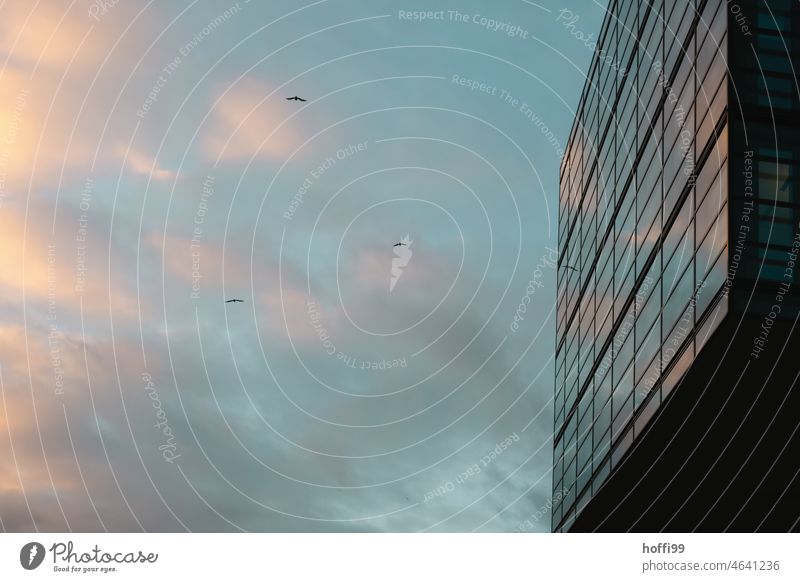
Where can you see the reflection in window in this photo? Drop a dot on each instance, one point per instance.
(775, 181)
(774, 21)
(777, 211)
(776, 232)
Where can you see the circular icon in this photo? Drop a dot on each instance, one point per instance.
(31, 555)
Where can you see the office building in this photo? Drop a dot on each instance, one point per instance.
(676, 393)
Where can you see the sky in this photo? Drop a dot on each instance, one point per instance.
(151, 168)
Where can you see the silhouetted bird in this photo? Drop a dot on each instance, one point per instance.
(401, 245)
(569, 267)
(295, 98)
(235, 301)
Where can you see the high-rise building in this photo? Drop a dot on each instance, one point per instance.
(676, 393)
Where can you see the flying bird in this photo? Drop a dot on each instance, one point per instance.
(401, 244)
(570, 267)
(295, 98)
(235, 301)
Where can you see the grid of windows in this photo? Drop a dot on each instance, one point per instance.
(768, 132)
(643, 231)
(775, 27)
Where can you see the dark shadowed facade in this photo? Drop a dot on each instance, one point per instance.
(677, 401)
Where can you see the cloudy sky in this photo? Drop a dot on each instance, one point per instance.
(151, 168)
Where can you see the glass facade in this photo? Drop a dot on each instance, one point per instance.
(770, 149)
(643, 231)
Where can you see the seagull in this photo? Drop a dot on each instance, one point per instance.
(295, 98)
(401, 245)
(235, 301)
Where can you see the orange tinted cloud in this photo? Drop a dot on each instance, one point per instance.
(52, 33)
(57, 86)
(45, 268)
(182, 261)
(292, 312)
(36, 450)
(241, 126)
(372, 269)
(144, 164)
(22, 256)
(42, 33)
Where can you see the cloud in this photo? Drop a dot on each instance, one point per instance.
(242, 126)
(144, 164)
(55, 449)
(43, 32)
(185, 259)
(45, 268)
(267, 445)
(288, 314)
(55, 90)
